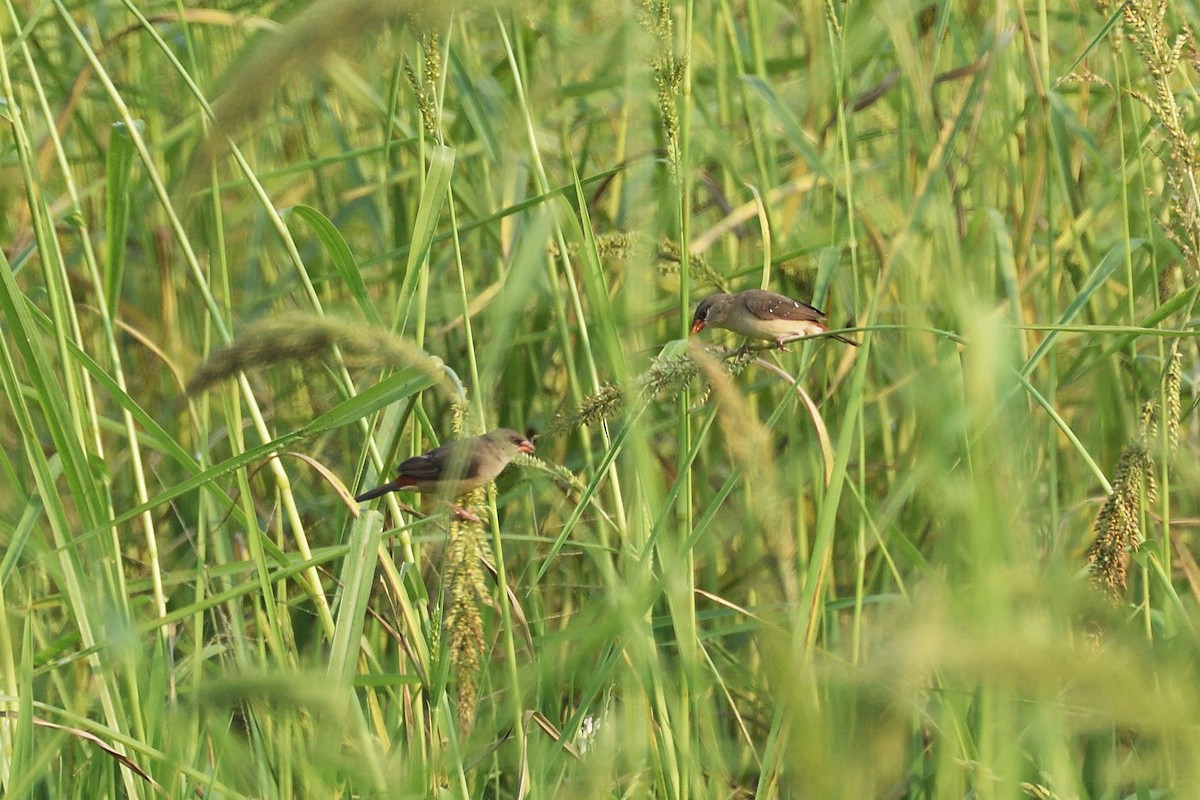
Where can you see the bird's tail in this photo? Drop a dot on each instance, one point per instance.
(378, 491)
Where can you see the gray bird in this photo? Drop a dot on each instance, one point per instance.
(456, 467)
(762, 315)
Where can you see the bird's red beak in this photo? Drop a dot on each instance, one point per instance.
(525, 446)
(697, 326)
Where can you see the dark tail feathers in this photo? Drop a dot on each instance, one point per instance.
(378, 491)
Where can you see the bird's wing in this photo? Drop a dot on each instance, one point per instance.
(768, 305)
(437, 464)
(420, 469)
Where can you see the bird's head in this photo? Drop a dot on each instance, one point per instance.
(511, 441)
(707, 312)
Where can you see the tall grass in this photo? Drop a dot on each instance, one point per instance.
(254, 255)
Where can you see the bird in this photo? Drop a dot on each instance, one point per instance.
(760, 314)
(456, 467)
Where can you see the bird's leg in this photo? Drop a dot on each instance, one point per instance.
(463, 514)
(781, 342)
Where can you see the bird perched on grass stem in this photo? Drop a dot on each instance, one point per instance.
(762, 315)
(456, 467)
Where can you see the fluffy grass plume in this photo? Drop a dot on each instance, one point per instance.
(298, 336)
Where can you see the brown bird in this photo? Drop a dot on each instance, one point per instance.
(762, 315)
(456, 467)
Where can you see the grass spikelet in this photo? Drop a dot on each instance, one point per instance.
(667, 376)
(669, 71)
(597, 407)
(465, 593)
(298, 336)
(566, 480)
(425, 86)
(1171, 401)
(1161, 51)
(669, 258)
(1118, 525)
(620, 245)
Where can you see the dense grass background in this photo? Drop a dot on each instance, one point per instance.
(836, 573)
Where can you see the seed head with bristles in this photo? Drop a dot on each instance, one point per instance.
(669, 70)
(1118, 526)
(602, 405)
(668, 375)
(1174, 409)
(466, 592)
